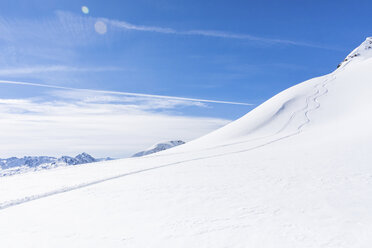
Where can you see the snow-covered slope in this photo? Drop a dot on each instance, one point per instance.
(294, 172)
(159, 147)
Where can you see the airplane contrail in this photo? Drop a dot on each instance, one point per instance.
(124, 93)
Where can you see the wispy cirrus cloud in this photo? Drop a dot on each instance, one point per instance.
(213, 33)
(124, 93)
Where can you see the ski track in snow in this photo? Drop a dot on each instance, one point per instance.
(304, 110)
(310, 99)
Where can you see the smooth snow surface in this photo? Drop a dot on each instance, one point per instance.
(294, 172)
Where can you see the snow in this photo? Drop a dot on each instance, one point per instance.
(294, 172)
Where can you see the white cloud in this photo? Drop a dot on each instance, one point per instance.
(134, 102)
(102, 126)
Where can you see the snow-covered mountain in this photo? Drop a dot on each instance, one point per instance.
(294, 172)
(362, 52)
(11, 166)
(30, 161)
(159, 147)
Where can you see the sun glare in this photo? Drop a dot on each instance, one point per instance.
(100, 27)
(85, 10)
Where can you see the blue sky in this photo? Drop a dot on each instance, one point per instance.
(237, 51)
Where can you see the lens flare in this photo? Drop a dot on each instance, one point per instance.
(85, 9)
(100, 27)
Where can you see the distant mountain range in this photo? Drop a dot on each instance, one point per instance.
(159, 147)
(13, 165)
